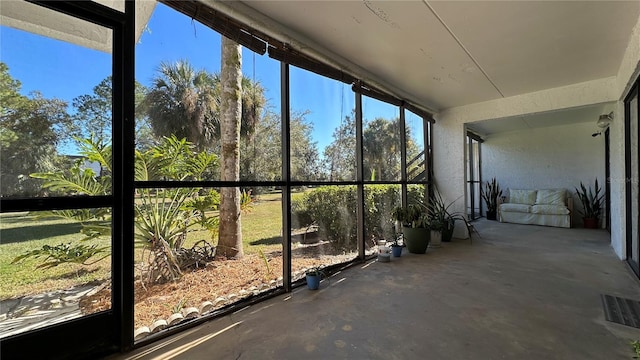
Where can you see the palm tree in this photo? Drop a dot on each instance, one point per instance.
(381, 141)
(230, 229)
(253, 102)
(184, 102)
(189, 103)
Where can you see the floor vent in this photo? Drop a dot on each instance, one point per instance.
(622, 311)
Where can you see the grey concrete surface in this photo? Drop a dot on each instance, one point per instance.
(518, 292)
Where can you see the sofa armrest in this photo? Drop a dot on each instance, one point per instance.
(499, 201)
(570, 207)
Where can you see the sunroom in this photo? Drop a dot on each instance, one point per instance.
(132, 207)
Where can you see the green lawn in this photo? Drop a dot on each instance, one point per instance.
(22, 232)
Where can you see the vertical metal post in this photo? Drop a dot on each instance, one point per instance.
(426, 133)
(123, 149)
(479, 181)
(607, 176)
(359, 177)
(403, 156)
(471, 181)
(286, 176)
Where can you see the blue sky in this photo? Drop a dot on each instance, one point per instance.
(65, 71)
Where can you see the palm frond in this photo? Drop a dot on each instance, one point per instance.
(80, 182)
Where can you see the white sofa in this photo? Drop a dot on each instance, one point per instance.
(548, 207)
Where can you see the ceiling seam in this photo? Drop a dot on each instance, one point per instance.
(462, 46)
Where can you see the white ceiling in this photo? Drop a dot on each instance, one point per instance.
(436, 54)
(442, 54)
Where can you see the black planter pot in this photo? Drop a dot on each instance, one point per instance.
(416, 239)
(591, 223)
(447, 232)
(491, 215)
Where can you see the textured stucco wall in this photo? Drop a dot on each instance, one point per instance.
(545, 158)
(618, 219)
(448, 164)
(627, 73)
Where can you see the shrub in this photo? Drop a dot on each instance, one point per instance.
(333, 209)
(379, 201)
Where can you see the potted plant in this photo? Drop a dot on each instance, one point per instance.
(437, 214)
(398, 215)
(447, 230)
(313, 275)
(450, 219)
(396, 249)
(416, 229)
(435, 228)
(591, 205)
(490, 194)
(441, 219)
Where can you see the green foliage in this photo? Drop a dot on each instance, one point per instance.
(416, 216)
(163, 216)
(77, 181)
(381, 146)
(261, 159)
(381, 143)
(399, 213)
(31, 128)
(490, 193)
(266, 263)
(438, 213)
(183, 101)
(379, 202)
(340, 155)
(65, 253)
(167, 214)
(93, 114)
(591, 200)
(316, 271)
(179, 306)
(246, 201)
(635, 345)
(305, 158)
(333, 209)
(261, 155)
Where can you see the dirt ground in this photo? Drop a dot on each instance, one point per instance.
(218, 279)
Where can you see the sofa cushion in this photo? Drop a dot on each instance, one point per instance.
(509, 207)
(549, 210)
(527, 197)
(551, 197)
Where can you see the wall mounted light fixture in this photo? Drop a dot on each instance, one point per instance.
(603, 123)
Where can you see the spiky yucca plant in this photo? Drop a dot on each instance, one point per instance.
(490, 194)
(591, 201)
(163, 217)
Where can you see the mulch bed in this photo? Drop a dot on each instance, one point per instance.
(218, 279)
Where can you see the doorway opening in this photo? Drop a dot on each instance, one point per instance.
(474, 176)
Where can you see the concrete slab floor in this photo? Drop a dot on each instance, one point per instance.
(519, 292)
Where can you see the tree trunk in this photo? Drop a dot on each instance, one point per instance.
(230, 231)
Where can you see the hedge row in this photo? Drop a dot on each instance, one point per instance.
(333, 210)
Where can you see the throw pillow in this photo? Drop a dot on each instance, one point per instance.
(551, 197)
(527, 197)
